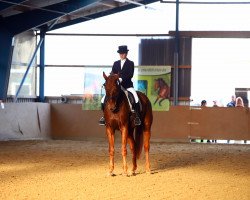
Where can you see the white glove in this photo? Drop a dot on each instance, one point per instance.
(120, 79)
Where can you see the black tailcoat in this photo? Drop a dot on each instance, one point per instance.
(126, 73)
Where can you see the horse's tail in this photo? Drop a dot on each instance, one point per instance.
(138, 141)
(144, 129)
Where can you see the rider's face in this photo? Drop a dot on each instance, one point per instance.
(123, 55)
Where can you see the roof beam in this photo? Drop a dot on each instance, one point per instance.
(213, 34)
(101, 14)
(207, 2)
(7, 4)
(35, 18)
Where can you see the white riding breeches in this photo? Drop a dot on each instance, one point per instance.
(132, 90)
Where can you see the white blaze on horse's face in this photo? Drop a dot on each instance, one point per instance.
(112, 91)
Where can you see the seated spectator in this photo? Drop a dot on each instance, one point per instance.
(239, 102)
(232, 102)
(203, 103)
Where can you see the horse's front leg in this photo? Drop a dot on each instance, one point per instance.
(157, 98)
(124, 133)
(111, 138)
(161, 101)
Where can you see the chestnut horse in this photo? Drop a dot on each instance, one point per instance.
(118, 116)
(163, 90)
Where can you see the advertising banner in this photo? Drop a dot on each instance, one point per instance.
(154, 81)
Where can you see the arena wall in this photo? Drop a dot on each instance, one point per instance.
(23, 121)
(180, 122)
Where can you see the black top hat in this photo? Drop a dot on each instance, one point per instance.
(123, 49)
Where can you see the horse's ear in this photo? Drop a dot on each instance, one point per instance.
(104, 76)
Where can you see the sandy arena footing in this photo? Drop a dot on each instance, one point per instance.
(63, 169)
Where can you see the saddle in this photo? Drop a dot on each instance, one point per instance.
(131, 100)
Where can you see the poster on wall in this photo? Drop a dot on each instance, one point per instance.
(153, 81)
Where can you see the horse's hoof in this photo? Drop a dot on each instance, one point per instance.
(125, 174)
(148, 172)
(132, 173)
(110, 174)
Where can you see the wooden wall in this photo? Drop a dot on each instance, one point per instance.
(22, 121)
(180, 122)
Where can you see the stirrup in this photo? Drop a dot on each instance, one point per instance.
(102, 122)
(137, 121)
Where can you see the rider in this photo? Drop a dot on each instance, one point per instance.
(125, 68)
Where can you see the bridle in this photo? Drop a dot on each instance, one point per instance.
(115, 98)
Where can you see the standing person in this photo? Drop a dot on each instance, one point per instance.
(232, 102)
(203, 103)
(239, 102)
(125, 68)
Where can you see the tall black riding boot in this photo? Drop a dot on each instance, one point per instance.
(137, 120)
(102, 120)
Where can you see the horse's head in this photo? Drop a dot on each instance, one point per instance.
(113, 89)
(157, 84)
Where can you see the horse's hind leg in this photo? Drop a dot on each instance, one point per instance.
(146, 142)
(131, 142)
